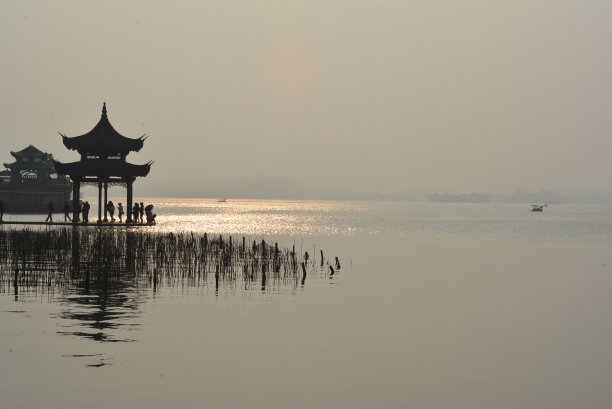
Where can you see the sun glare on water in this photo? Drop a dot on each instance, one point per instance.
(250, 217)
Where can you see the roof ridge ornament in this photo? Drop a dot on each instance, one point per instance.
(104, 110)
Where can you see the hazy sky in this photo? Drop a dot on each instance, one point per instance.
(369, 96)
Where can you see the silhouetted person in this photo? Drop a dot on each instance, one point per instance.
(150, 216)
(141, 209)
(85, 212)
(67, 212)
(135, 212)
(120, 212)
(1, 210)
(50, 215)
(111, 210)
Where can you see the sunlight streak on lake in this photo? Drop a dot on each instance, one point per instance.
(353, 219)
(253, 217)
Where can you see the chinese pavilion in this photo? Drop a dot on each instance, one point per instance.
(103, 152)
(28, 184)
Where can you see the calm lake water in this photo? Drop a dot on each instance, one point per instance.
(435, 306)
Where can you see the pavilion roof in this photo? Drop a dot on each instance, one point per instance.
(43, 165)
(103, 140)
(31, 151)
(30, 158)
(102, 168)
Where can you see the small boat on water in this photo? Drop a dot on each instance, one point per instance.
(221, 200)
(538, 208)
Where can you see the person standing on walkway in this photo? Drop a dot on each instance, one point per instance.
(67, 212)
(120, 212)
(141, 211)
(111, 210)
(1, 210)
(85, 212)
(50, 215)
(135, 210)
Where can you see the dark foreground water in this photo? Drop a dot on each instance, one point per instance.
(435, 306)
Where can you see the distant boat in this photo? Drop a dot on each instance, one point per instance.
(538, 208)
(222, 200)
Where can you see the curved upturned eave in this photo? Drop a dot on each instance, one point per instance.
(29, 151)
(28, 165)
(103, 139)
(102, 168)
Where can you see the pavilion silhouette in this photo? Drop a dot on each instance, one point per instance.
(103, 163)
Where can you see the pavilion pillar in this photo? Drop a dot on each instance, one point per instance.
(105, 201)
(129, 200)
(75, 199)
(99, 202)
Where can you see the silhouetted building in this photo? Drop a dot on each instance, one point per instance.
(28, 184)
(103, 163)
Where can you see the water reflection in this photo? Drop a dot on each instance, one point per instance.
(105, 314)
(101, 278)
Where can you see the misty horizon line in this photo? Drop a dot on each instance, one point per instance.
(273, 188)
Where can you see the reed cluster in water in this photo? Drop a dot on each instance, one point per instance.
(56, 256)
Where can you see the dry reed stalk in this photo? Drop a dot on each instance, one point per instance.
(60, 255)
